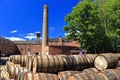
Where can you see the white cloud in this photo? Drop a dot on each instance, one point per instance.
(30, 36)
(15, 38)
(51, 28)
(14, 31)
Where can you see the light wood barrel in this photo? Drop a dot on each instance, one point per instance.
(110, 74)
(90, 70)
(12, 69)
(19, 59)
(4, 75)
(118, 68)
(83, 76)
(29, 63)
(20, 76)
(64, 75)
(118, 55)
(3, 68)
(118, 65)
(40, 76)
(48, 63)
(90, 59)
(104, 61)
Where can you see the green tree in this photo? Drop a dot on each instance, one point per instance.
(96, 24)
(83, 25)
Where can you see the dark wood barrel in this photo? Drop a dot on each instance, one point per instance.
(104, 61)
(90, 70)
(48, 63)
(64, 75)
(40, 76)
(110, 74)
(75, 62)
(19, 59)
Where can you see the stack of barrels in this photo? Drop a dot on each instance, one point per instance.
(4, 75)
(62, 67)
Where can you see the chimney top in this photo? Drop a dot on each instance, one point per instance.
(37, 35)
(46, 6)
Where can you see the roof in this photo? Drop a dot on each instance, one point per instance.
(27, 42)
(39, 42)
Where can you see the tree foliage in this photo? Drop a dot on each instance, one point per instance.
(96, 24)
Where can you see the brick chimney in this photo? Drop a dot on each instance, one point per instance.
(37, 35)
(60, 40)
(45, 30)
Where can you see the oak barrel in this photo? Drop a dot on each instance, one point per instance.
(4, 75)
(110, 74)
(90, 59)
(19, 59)
(29, 63)
(104, 61)
(83, 76)
(40, 76)
(75, 62)
(12, 69)
(90, 70)
(64, 75)
(118, 55)
(48, 63)
(3, 68)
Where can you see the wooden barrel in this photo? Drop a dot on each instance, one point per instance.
(12, 69)
(48, 63)
(118, 65)
(19, 59)
(118, 68)
(23, 60)
(40, 76)
(29, 63)
(3, 68)
(64, 75)
(22, 69)
(90, 59)
(110, 74)
(11, 58)
(75, 62)
(4, 75)
(20, 76)
(68, 63)
(90, 70)
(118, 55)
(83, 76)
(21, 72)
(15, 59)
(104, 61)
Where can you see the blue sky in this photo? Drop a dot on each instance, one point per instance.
(20, 19)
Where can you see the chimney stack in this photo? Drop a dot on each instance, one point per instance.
(45, 30)
(37, 35)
